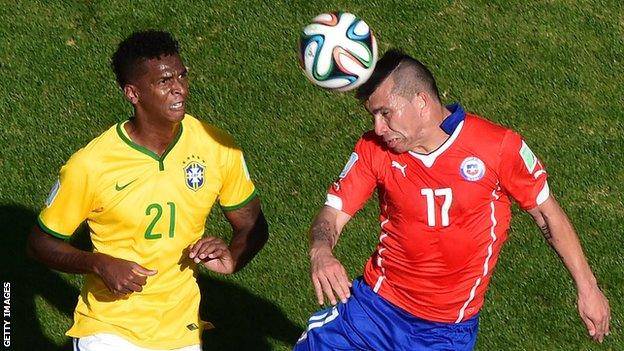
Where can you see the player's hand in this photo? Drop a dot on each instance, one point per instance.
(122, 277)
(214, 254)
(595, 312)
(328, 276)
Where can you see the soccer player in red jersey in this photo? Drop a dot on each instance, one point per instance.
(445, 180)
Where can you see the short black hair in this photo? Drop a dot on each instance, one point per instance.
(139, 47)
(410, 77)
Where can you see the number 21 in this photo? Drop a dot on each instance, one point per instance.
(159, 210)
(446, 205)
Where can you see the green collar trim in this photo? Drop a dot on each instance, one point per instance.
(126, 138)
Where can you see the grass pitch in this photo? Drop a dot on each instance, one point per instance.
(552, 70)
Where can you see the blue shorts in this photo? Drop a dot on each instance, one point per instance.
(368, 322)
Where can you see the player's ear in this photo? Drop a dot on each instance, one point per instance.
(421, 100)
(131, 93)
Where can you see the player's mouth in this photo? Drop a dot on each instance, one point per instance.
(178, 106)
(392, 142)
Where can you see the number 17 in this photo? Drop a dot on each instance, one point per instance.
(446, 205)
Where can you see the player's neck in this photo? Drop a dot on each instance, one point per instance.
(156, 137)
(432, 136)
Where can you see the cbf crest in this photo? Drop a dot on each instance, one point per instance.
(194, 172)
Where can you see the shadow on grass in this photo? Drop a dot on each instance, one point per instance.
(243, 321)
(28, 280)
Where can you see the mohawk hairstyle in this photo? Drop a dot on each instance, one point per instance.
(140, 47)
(410, 77)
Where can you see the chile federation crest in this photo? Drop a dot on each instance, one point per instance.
(472, 169)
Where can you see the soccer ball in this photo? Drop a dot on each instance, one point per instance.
(337, 51)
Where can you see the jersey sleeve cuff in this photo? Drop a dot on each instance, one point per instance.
(242, 204)
(334, 202)
(51, 232)
(543, 194)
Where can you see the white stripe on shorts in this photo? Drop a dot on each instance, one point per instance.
(111, 342)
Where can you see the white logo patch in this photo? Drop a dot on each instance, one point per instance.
(401, 167)
(352, 160)
(53, 192)
(530, 161)
(472, 169)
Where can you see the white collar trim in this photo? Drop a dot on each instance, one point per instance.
(429, 159)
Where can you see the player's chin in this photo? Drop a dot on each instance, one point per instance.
(398, 150)
(176, 115)
(397, 147)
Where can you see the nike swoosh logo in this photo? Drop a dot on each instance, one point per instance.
(122, 187)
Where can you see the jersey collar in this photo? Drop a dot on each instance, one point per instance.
(451, 122)
(452, 126)
(121, 131)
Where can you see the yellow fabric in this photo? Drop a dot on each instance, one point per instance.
(147, 209)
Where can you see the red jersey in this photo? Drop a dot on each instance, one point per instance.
(444, 216)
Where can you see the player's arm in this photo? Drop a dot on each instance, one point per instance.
(327, 273)
(250, 232)
(59, 254)
(120, 276)
(558, 230)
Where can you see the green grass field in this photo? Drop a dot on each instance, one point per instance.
(552, 70)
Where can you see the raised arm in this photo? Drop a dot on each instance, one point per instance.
(250, 232)
(593, 306)
(327, 273)
(120, 276)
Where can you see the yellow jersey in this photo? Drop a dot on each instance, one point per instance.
(148, 209)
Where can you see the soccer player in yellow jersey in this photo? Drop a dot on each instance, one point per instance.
(145, 188)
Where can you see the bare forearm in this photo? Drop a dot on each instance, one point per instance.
(322, 234)
(327, 273)
(565, 242)
(247, 242)
(59, 255)
(326, 229)
(560, 234)
(593, 306)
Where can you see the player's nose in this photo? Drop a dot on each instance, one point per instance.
(381, 127)
(180, 86)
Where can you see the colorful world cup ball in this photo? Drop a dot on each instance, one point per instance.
(338, 51)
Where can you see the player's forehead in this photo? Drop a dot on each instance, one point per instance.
(163, 65)
(382, 97)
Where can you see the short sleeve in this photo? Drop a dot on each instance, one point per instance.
(237, 189)
(522, 174)
(70, 199)
(356, 182)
